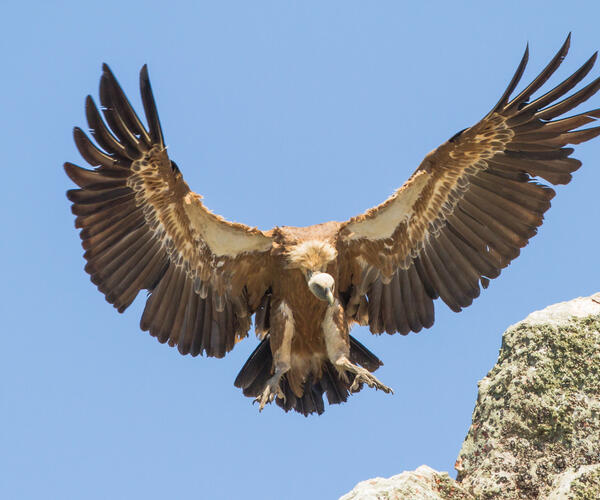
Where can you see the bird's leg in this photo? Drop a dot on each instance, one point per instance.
(282, 332)
(338, 351)
(362, 375)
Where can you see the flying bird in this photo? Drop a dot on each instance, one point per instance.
(462, 216)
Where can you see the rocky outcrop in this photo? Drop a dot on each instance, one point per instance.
(537, 417)
(423, 483)
(535, 432)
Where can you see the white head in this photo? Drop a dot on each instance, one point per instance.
(321, 285)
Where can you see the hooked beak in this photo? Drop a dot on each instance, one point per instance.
(321, 285)
(330, 298)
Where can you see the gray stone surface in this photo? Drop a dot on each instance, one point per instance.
(538, 410)
(423, 483)
(535, 432)
(581, 483)
(563, 312)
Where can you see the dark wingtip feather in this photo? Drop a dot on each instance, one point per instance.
(514, 81)
(564, 50)
(112, 93)
(561, 89)
(70, 170)
(542, 78)
(89, 102)
(150, 107)
(72, 194)
(570, 102)
(90, 152)
(566, 44)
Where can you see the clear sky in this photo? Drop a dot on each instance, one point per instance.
(279, 113)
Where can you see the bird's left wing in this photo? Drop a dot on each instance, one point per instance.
(142, 228)
(468, 209)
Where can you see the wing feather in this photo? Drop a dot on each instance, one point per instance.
(142, 228)
(541, 79)
(469, 208)
(150, 108)
(118, 100)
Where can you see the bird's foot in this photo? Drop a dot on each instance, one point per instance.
(362, 376)
(365, 376)
(272, 389)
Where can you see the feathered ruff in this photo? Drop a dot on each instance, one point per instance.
(313, 255)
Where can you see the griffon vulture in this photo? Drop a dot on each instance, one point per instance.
(461, 217)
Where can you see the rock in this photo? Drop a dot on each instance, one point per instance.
(563, 312)
(536, 424)
(422, 484)
(582, 483)
(535, 432)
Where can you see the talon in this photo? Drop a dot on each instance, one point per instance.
(264, 398)
(271, 390)
(280, 394)
(363, 376)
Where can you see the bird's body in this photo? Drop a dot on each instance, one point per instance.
(463, 215)
(307, 335)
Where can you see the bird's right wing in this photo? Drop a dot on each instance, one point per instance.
(142, 228)
(468, 209)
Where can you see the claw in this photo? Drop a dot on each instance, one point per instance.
(264, 398)
(364, 376)
(280, 394)
(370, 380)
(271, 390)
(361, 376)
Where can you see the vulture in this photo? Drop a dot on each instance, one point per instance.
(461, 217)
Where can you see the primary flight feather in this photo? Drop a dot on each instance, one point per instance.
(463, 215)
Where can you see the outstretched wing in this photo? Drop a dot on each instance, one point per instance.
(142, 228)
(468, 209)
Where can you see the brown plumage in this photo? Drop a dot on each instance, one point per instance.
(462, 217)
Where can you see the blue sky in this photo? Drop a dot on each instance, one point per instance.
(278, 113)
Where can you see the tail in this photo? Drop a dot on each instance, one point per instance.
(258, 368)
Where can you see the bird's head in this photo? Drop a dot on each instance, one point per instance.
(321, 285)
(312, 257)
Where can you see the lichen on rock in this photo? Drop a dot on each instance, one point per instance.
(582, 483)
(424, 483)
(538, 410)
(535, 432)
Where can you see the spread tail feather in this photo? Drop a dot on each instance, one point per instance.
(359, 354)
(258, 368)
